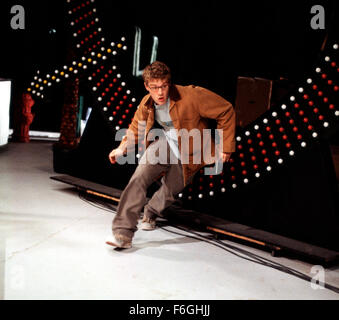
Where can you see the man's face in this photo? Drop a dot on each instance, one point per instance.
(158, 89)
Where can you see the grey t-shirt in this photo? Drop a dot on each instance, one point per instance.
(163, 117)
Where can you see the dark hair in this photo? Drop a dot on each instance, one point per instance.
(156, 70)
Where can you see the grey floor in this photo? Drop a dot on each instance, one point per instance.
(52, 246)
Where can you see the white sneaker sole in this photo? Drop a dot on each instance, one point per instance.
(146, 226)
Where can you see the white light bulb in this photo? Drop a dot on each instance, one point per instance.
(99, 98)
(268, 168)
(94, 88)
(335, 46)
(110, 118)
(200, 196)
(314, 134)
(117, 128)
(283, 106)
(211, 193)
(104, 108)
(280, 161)
(301, 90)
(89, 78)
(247, 133)
(309, 80)
(292, 98)
(256, 127)
(265, 121)
(337, 113)
(246, 180)
(257, 175)
(238, 139)
(223, 189)
(274, 114)
(128, 91)
(303, 144)
(317, 70)
(326, 124)
(291, 153)
(327, 59)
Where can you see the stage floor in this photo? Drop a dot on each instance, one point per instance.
(52, 246)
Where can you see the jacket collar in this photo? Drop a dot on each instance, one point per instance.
(174, 96)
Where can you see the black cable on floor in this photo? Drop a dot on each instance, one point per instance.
(241, 253)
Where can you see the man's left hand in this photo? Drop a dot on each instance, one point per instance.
(226, 156)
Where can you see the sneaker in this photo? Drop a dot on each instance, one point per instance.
(147, 224)
(119, 241)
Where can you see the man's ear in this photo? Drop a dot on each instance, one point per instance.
(146, 86)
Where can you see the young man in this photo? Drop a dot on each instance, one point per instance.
(174, 109)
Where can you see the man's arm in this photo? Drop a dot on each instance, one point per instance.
(213, 106)
(134, 133)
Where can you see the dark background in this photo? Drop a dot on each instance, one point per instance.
(207, 43)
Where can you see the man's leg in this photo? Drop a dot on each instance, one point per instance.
(133, 198)
(172, 184)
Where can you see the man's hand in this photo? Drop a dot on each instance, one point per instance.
(226, 156)
(116, 153)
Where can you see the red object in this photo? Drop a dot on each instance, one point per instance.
(23, 118)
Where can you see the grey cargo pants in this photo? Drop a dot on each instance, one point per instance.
(133, 198)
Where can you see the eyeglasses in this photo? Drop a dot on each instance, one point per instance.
(163, 87)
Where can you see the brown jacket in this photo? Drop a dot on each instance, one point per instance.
(190, 107)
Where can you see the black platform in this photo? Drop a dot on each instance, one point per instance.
(277, 244)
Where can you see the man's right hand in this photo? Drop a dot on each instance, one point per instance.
(116, 153)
